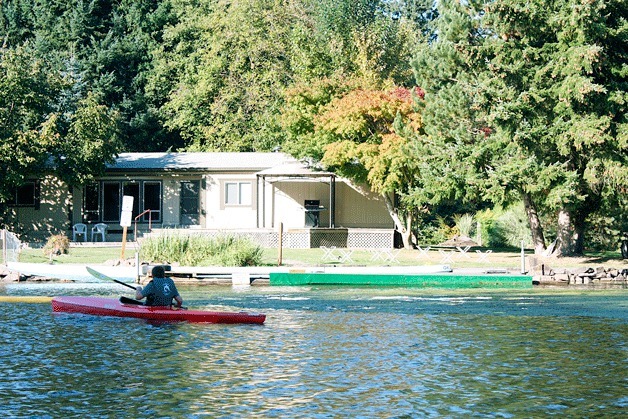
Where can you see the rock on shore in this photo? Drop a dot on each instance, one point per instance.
(599, 275)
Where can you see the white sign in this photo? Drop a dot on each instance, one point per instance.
(125, 219)
(127, 203)
(127, 210)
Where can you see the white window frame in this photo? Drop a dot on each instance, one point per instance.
(245, 194)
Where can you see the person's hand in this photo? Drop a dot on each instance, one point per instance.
(138, 288)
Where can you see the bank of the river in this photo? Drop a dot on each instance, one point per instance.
(598, 268)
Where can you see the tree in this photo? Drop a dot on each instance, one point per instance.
(38, 138)
(89, 142)
(362, 135)
(572, 94)
(544, 82)
(116, 64)
(27, 90)
(454, 151)
(105, 47)
(221, 71)
(356, 116)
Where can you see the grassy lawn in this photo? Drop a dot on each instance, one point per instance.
(507, 259)
(76, 255)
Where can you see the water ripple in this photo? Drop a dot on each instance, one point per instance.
(321, 354)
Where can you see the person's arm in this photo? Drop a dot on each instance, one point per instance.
(138, 293)
(179, 300)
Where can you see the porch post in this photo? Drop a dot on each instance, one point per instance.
(263, 211)
(257, 200)
(332, 201)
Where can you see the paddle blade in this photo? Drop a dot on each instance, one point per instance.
(104, 277)
(126, 300)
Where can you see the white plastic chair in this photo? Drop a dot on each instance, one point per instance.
(79, 229)
(101, 229)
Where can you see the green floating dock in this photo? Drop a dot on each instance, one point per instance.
(446, 280)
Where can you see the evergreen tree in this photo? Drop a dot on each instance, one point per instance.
(542, 89)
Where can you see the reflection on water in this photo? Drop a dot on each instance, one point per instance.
(323, 352)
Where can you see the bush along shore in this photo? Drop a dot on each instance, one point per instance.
(579, 276)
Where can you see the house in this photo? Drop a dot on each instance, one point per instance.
(208, 193)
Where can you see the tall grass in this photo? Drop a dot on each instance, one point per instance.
(198, 250)
(465, 224)
(503, 228)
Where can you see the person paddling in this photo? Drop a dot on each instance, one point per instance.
(160, 291)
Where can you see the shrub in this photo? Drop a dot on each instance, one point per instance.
(434, 231)
(505, 228)
(57, 245)
(465, 224)
(199, 250)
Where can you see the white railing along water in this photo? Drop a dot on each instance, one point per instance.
(11, 246)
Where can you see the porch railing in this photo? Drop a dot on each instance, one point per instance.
(150, 221)
(11, 246)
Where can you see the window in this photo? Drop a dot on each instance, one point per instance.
(132, 189)
(103, 201)
(152, 201)
(91, 203)
(238, 193)
(111, 201)
(190, 208)
(25, 195)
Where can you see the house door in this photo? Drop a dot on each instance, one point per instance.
(190, 203)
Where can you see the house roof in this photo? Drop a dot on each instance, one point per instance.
(198, 161)
(293, 169)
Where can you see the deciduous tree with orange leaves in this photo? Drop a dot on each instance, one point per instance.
(363, 136)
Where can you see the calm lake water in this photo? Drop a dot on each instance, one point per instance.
(323, 352)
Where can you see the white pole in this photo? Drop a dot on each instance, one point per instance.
(523, 260)
(137, 267)
(4, 246)
(280, 256)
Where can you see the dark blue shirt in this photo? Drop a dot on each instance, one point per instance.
(160, 292)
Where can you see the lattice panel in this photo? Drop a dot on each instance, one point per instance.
(297, 240)
(370, 240)
(311, 238)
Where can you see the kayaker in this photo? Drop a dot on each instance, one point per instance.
(160, 291)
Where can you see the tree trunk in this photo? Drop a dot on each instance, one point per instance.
(578, 236)
(590, 204)
(538, 238)
(565, 234)
(404, 230)
(572, 226)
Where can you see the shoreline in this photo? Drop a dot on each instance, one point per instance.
(599, 277)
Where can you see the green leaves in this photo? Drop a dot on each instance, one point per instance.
(42, 131)
(89, 143)
(538, 78)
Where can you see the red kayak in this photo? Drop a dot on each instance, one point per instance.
(100, 306)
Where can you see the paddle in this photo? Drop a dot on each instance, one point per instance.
(127, 300)
(131, 301)
(107, 278)
(102, 276)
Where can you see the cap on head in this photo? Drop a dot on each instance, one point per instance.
(158, 272)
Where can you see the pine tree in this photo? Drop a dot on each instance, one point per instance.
(545, 83)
